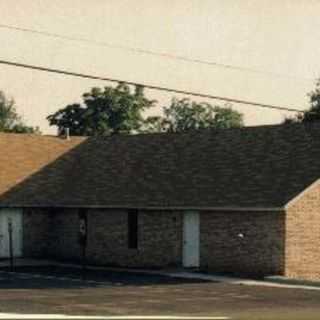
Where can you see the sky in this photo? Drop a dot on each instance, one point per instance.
(272, 36)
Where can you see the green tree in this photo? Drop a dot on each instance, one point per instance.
(10, 121)
(103, 112)
(184, 114)
(311, 115)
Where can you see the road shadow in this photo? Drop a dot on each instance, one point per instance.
(41, 277)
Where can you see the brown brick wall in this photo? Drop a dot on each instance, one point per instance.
(64, 242)
(303, 236)
(36, 233)
(259, 252)
(159, 237)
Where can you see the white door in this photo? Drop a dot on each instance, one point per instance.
(15, 216)
(191, 239)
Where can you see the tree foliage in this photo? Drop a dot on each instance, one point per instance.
(103, 112)
(116, 110)
(311, 115)
(10, 121)
(184, 114)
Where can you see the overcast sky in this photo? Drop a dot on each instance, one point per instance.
(273, 36)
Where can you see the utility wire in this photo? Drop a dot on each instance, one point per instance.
(154, 87)
(155, 53)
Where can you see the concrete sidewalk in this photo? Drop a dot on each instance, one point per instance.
(174, 273)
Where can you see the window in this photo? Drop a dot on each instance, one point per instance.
(83, 227)
(133, 229)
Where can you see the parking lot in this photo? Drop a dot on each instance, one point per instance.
(60, 290)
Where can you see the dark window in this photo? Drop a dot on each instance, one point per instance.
(83, 226)
(132, 229)
(82, 213)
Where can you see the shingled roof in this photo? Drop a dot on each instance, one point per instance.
(252, 167)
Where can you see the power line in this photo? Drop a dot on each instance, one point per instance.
(153, 87)
(155, 53)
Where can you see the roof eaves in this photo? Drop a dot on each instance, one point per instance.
(189, 208)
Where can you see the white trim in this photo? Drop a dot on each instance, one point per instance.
(301, 194)
(191, 239)
(16, 217)
(75, 206)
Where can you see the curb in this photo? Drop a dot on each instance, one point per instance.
(292, 281)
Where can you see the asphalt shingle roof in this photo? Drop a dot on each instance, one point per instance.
(248, 167)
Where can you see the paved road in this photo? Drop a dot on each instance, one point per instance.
(60, 290)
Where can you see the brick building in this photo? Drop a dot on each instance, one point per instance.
(237, 200)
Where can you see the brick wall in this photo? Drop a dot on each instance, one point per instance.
(159, 237)
(36, 233)
(64, 242)
(259, 252)
(303, 236)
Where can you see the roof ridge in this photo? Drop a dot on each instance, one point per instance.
(187, 132)
(208, 130)
(36, 135)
